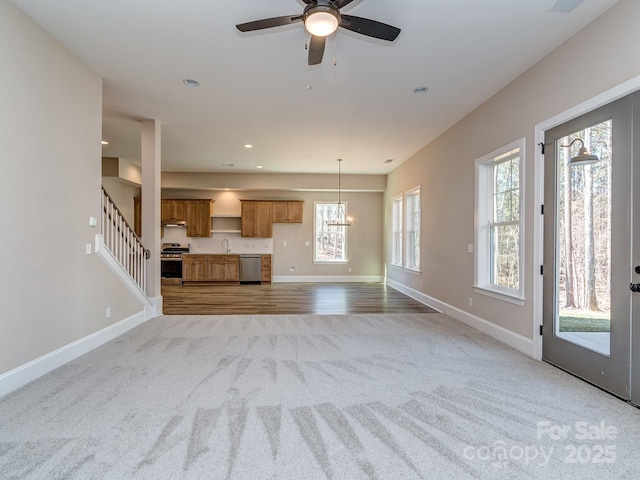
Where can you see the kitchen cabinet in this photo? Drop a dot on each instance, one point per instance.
(265, 268)
(224, 268)
(137, 216)
(195, 212)
(210, 268)
(287, 211)
(257, 219)
(173, 210)
(199, 218)
(195, 268)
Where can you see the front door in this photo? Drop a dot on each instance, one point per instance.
(588, 247)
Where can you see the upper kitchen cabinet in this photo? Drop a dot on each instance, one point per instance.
(199, 218)
(173, 210)
(257, 218)
(137, 216)
(196, 213)
(287, 212)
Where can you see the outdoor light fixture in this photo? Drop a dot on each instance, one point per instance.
(338, 218)
(583, 157)
(321, 19)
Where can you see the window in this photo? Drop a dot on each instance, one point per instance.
(396, 239)
(412, 229)
(499, 228)
(331, 241)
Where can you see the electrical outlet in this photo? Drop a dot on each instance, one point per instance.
(349, 269)
(307, 243)
(292, 268)
(284, 243)
(108, 312)
(470, 302)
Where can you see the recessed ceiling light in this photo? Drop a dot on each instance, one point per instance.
(248, 145)
(420, 90)
(104, 142)
(258, 166)
(190, 82)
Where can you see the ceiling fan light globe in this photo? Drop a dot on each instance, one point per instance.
(321, 24)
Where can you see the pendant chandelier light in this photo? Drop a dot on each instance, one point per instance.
(339, 219)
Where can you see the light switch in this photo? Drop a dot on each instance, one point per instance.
(306, 244)
(93, 221)
(88, 249)
(284, 243)
(470, 248)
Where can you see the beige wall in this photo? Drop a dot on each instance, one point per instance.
(602, 56)
(51, 292)
(122, 195)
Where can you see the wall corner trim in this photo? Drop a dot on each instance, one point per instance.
(512, 339)
(20, 376)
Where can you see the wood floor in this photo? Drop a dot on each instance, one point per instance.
(287, 298)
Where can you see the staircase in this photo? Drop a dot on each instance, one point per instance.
(123, 252)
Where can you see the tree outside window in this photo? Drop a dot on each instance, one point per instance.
(412, 229)
(499, 237)
(330, 241)
(396, 239)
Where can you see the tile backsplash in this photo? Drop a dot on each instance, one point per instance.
(237, 244)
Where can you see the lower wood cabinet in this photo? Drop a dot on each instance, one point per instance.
(265, 268)
(210, 268)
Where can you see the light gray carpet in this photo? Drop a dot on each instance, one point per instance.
(313, 397)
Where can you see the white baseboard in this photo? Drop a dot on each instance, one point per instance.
(107, 257)
(28, 372)
(328, 279)
(514, 340)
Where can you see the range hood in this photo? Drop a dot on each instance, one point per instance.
(174, 223)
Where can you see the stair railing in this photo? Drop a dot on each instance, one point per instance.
(123, 243)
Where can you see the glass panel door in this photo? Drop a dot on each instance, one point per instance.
(584, 239)
(587, 245)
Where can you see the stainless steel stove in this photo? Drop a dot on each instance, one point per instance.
(171, 262)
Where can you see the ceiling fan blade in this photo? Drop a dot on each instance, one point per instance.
(342, 3)
(268, 23)
(371, 28)
(316, 49)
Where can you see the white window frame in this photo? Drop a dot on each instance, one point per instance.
(412, 231)
(330, 230)
(484, 224)
(397, 230)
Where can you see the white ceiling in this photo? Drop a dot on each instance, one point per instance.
(253, 86)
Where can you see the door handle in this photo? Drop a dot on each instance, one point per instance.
(635, 287)
(637, 269)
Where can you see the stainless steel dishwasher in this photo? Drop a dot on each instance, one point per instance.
(250, 268)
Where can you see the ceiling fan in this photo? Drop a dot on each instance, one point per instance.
(321, 18)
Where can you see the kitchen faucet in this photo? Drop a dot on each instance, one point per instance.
(225, 250)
